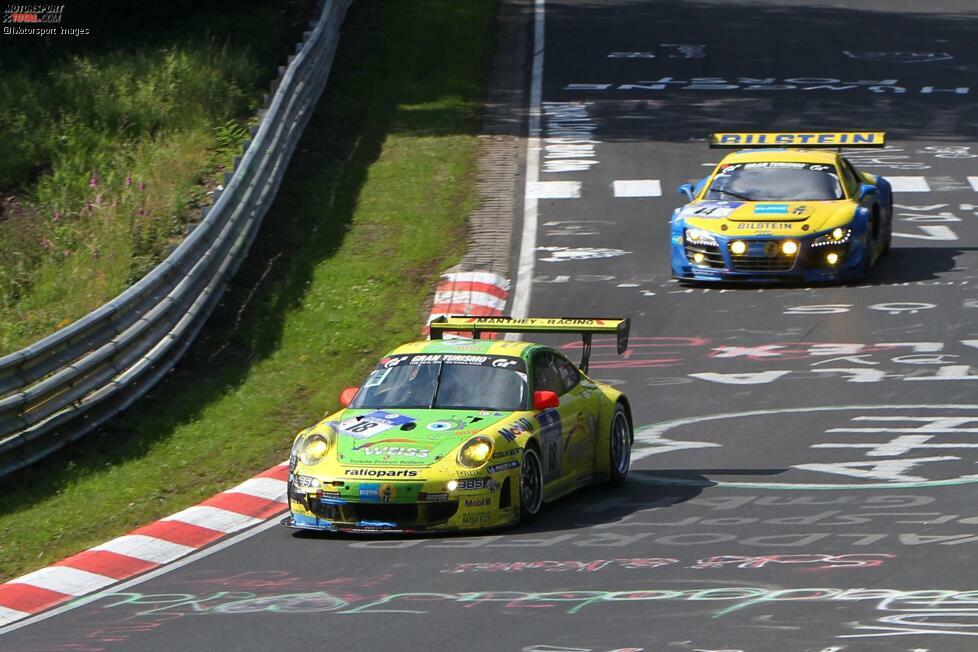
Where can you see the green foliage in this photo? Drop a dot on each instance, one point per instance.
(108, 149)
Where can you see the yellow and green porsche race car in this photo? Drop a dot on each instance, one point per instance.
(783, 209)
(451, 434)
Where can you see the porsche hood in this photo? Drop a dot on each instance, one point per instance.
(374, 437)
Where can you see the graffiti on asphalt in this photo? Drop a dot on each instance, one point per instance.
(775, 84)
(569, 143)
(816, 561)
(899, 612)
(666, 51)
(854, 362)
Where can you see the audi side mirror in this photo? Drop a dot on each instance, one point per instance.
(866, 190)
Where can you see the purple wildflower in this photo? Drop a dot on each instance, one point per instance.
(93, 182)
(128, 181)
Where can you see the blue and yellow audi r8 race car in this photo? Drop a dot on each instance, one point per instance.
(452, 434)
(783, 209)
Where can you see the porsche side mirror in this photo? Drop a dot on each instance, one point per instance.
(866, 190)
(686, 189)
(544, 400)
(347, 396)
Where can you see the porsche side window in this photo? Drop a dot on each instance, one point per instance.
(546, 378)
(569, 375)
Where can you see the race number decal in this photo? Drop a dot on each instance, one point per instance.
(372, 423)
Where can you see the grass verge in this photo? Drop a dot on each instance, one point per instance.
(373, 207)
(111, 139)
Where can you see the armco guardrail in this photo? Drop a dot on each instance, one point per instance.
(62, 387)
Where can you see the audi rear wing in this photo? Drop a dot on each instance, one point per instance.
(806, 140)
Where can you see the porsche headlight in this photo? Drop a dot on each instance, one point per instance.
(313, 449)
(475, 452)
(700, 237)
(837, 236)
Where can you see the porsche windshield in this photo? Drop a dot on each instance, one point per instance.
(445, 380)
(772, 180)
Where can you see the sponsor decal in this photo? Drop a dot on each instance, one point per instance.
(468, 359)
(551, 434)
(388, 493)
(370, 492)
(372, 423)
(793, 139)
(767, 209)
(711, 210)
(395, 451)
(478, 502)
(468, 484)
(432, 498)
(305, 481)
(446, 424)
(509, 453)
(381, 473)
(505, 466)
(771, 226)
(511, 432)
(478, 517)
(329, 495)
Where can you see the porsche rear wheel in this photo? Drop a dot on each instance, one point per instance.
(531, 485)
(620, 446)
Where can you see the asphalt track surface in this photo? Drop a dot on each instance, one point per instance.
(805, 476)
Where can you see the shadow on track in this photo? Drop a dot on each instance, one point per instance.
(596, 506)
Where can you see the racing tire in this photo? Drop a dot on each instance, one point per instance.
(619, 446)
(531, 485)
(889, 229)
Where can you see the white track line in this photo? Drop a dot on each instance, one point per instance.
(637, 188)
(554, 190)
(909, 184)
(528, 243)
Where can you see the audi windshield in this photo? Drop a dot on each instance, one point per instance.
(776, 181)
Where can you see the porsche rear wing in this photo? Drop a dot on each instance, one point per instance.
(585, 327)
(807, 139)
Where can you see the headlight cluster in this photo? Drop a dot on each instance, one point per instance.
(312, 448)
(838, 236)
(700, 237)
(475, 452)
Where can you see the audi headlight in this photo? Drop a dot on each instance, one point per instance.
(837, 236)
(475, 452)
(700, 237)
(313, 449)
